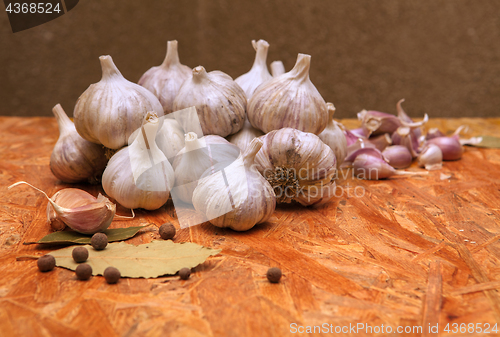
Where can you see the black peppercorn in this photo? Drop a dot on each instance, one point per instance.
(83, 271)
(46, 263)
(274, 275)
(184, 273)
(112, 275)
(167, 231)
(80, 254)
(99, 241)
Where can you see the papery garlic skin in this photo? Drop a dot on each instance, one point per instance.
(139, 175)
(333, 136)
(195, 158)
(431, 157)
(251, 198)
(289, 101)
(109, 111)
(170, 138)
(165, 80)
(243, 137)
(220, 102)
(299, 166)
(259, 73)
(73, 158)
(277, 68)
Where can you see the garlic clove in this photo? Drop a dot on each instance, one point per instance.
(78, 210)
(277, 68)
(333, 136)
(397, 156)
(109, 111)
(380, 142)
(431, 157)
(373, 168)
(259, 73)
(450, 147)
(403, 136)
(377, 123)
(165, 80)
(220, 102)
(243, 137)
(351, 137)
(73, 158)
(364, 150)
(236, 195)
(434, 133)
(289, 101)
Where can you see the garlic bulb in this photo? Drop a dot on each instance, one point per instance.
(75, 159)
(244, 201)
(290, 100)
(220, 102)
(243, 137)
(139, 175)
(277, 68)
(195, 158)
(298, 165)
(170, 138)
(431, 157)
(109, 111)
(165, 80)
(334, 137)
(259, 72)
(77, 209)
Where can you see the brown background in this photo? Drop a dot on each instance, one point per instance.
(443, 57)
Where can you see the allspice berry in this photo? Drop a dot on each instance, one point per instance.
(167, 231)
(83, 271)
(112, 275)
(184, 273)
(274, 275)
(99, 241)
(46, 263)
(80, 254)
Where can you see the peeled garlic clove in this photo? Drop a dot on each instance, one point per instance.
(450, 147)
(431, 157)
(220, 102)
(195, 158)
(334, 137)
(78, 210)
(277, 68)
(373, 168)
(170, 138)
(165, 80)
(397, 156)
(109, 111)
(289, 101)
(139, 175)
(377, 123)
(259, 72)
(243, 137)
(298, 165)
(236, 195)
(73, 158)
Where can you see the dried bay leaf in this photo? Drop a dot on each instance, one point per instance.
(154, 259)
(488, 142)
(69, 236)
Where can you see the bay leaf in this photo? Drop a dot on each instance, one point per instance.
(154, 259)
(69, 236)
(488, 142)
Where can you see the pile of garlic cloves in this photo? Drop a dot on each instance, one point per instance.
(230, 149)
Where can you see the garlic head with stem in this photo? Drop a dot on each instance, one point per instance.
(277, 68)
(259, 73)
(333, 136)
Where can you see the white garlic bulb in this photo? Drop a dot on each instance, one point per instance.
(170, 138)
(298, 165)
(75, 159)
(244, 201)
(333, 136)
(259, 72)
(243, 137)
(290, 100)
(220, 102)
(195, 158)
(109, 111)
(277, 68)
(165, 80)
(139, 175)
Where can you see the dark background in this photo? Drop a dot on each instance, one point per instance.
(442, 56)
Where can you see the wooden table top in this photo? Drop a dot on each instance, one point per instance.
(410, 252)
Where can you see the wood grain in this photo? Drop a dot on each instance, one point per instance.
(408, 251)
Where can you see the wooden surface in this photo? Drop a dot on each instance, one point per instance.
(412, 251)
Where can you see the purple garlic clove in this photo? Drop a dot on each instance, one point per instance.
(403, 136)
(364, 150)
(450, 146)
(376, 123)
(434, 133)
(431, 157)
(381, 142)
(397, 156)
